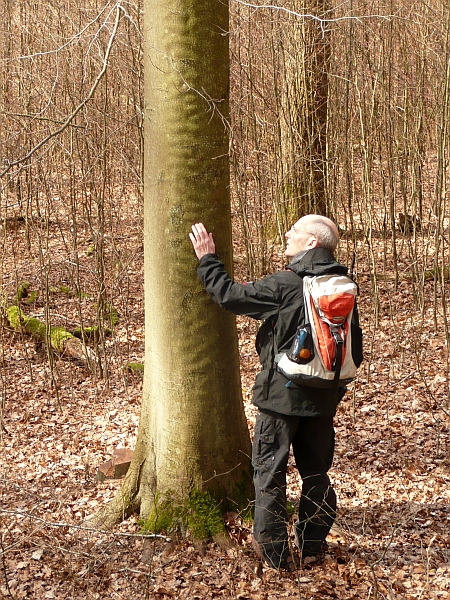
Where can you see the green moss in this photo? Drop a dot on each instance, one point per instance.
(291, 508)
(200, 512)
(78, 332)
(90, 333)
(135, 368)
(242, 497)
(90, 251)
(32, 297)
(22, 291)
(162, 516)
(111, 314)
(64, 289)
(14, 315)
(204, 517)
(57, 337)
(25, 294)
(37, 328)
(34, 327)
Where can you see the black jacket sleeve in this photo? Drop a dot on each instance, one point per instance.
(260, 299)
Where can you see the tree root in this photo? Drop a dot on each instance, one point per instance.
(124, 503)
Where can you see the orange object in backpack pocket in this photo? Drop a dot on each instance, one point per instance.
(335, 307)
(325, 340)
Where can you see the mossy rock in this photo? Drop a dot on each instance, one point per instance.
(24, 294)
(34, 327)
(63, 289)
(110, 314)
(58, 338)
(58, 335)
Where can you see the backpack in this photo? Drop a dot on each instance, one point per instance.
(327, 349)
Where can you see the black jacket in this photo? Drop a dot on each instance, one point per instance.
(278, 300)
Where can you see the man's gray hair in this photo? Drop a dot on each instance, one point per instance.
(324, 234)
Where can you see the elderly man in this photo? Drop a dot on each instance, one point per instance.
(290, 414)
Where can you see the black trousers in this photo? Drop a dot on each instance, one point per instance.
(312, 440)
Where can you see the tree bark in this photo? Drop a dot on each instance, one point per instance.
(193, 435)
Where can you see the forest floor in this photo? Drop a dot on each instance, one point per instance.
(391, 470)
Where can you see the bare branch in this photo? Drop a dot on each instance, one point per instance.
(306, 16)
(74, 38)
(27, 515)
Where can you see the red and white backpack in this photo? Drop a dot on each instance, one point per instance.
(323, 354)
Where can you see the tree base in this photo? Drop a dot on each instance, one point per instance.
(199, 513)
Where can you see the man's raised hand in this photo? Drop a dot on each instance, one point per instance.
(202, 241)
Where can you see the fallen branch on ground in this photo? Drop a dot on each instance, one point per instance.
(58, 338)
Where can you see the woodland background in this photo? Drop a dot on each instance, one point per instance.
(72, 231)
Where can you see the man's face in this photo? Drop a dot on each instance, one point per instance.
(298, 238)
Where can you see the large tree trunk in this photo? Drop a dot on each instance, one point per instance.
(193, 435)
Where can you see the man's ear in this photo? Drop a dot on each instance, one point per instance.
(312, 243)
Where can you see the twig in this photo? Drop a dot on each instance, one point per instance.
(37, 118)
(5, 572)
(314, 17)
(84, 528)
(74, 38)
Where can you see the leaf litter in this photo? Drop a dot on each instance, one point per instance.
(391, 473)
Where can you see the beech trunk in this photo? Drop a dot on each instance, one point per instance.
(193, 435)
